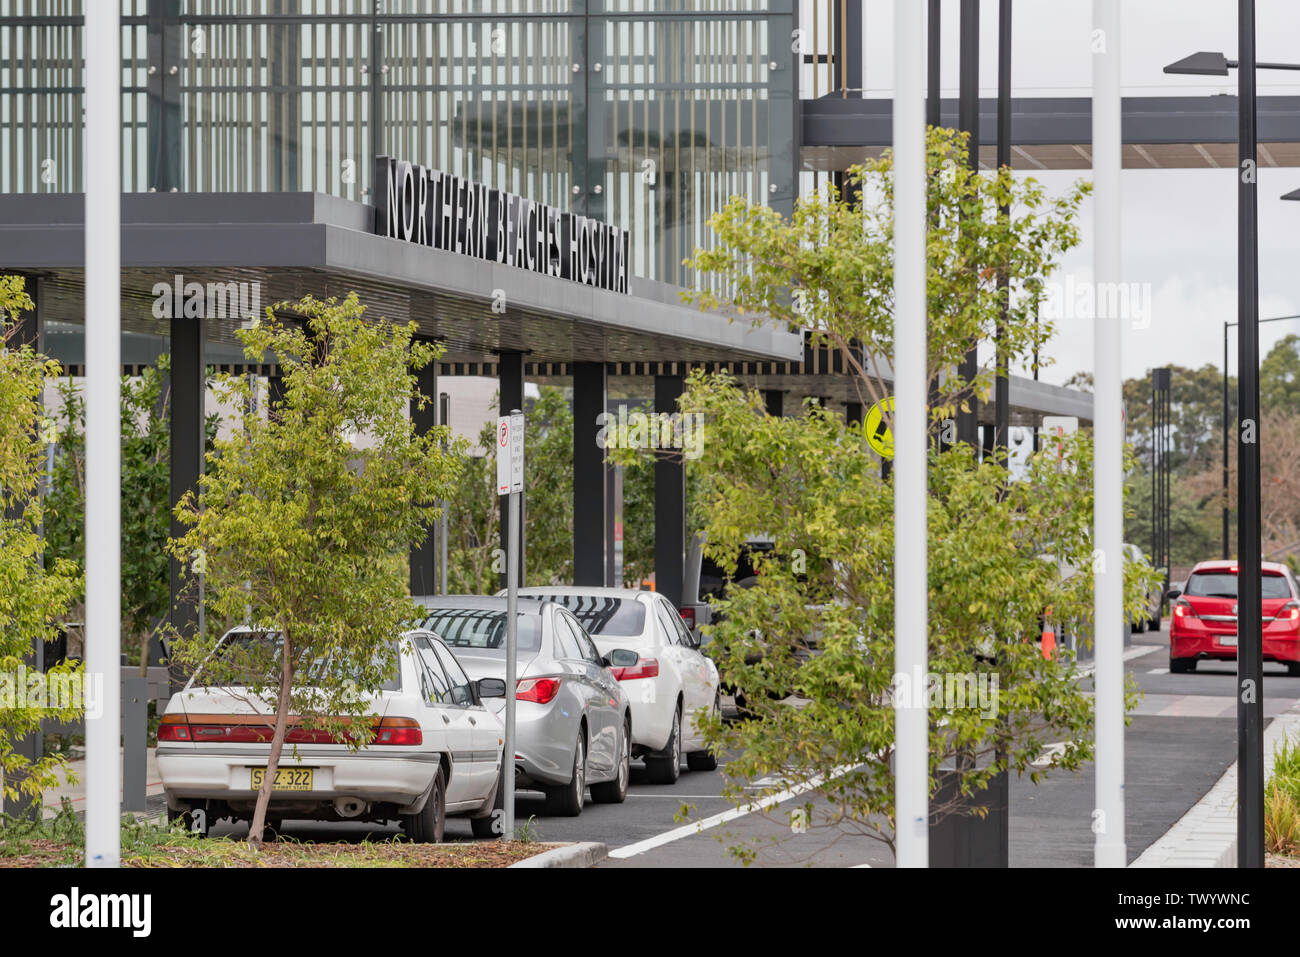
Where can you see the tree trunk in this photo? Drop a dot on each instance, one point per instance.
(277, 745)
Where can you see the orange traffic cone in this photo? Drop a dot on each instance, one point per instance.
(1049, 641)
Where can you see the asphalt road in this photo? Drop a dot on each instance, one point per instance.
(1182, 737)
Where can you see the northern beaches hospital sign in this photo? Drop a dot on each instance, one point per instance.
(447, 212)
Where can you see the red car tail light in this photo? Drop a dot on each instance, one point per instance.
(174, 727)
(644, 668)
(540, 690)
(688, 616)
(399, 731)
(1183, 608)
(1289, 612)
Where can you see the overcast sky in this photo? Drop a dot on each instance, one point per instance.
(1179, 225)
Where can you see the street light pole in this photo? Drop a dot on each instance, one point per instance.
(1250, 658)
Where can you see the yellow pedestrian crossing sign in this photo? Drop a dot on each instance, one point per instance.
(876, 427)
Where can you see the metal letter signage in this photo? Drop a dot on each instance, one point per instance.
(432, 208)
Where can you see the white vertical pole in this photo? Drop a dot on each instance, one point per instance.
(1108, 433)
(911, 597)
(103, 179)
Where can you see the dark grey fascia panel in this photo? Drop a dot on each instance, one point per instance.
(1062, 121)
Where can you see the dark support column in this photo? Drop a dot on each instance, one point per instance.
(424, 557)
(589, 500)
(969, 121)
(1002, 385)
(775, 402)
(934, 35)
(27, 331)
(847, 72)
(670, 504)
(188, 388)
(510, 385)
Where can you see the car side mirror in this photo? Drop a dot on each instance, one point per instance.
(490, 688)
(622, 658)
(1173, 593)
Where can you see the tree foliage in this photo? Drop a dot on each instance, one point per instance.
(35, 594)
(1003, 554)
(303, 519)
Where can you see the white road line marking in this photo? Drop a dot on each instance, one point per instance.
(699, 827)
(1128, 656)
(1158, 671)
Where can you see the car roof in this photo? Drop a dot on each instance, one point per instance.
(530, 606)
(596, 591)
(1226, 565)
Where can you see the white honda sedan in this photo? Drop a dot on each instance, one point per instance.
(668, 688)
(436, 751)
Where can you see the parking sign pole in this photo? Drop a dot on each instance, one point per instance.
(512, 651)
(510, 482)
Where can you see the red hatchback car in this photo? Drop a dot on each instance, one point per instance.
(1204, 619)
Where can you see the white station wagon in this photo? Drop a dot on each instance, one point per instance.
(436, 751)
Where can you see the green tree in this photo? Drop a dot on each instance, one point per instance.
(1001, 553)
(1279, 377)
(34, 593)
(995, 549)
(304, 517)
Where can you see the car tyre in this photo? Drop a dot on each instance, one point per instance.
(666, 768)
(1182, 666)
(1139, 626)
(1293, 669)
(1154, 624)
(705, 760)
(427, 827)
(567, 800)
(194, 826)
(615, 791)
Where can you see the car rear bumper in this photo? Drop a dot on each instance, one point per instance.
(1187, 643)
(193, 774)
(544, 740)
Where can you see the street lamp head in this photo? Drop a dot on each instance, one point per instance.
(1202, 64)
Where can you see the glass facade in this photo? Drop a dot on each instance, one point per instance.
(649, 114)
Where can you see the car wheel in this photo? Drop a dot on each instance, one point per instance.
(1154, 624)
(615, 791)
(705, 760)
(667, 767)
(1139, 626)
(1182, 666)
(566, 800)
(1293, 668)
(427, 826)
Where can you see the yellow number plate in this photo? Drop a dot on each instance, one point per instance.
(286, 779)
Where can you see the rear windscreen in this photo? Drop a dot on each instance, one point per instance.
(607, 617)
(481, 629)
(1224, 585)
(252, 657)
(713, 577)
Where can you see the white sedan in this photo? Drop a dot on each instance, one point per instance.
(670, 686)
(436, 751)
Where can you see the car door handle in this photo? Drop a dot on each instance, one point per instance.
(472, 721)
(446, 720)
